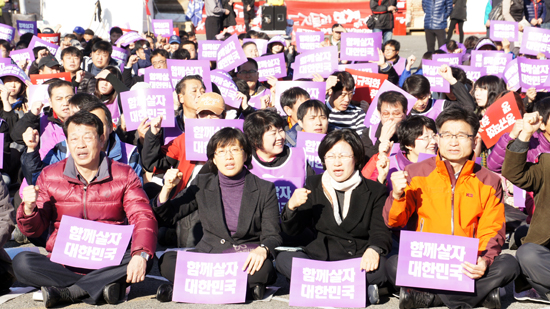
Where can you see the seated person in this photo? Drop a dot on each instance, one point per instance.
(291, 99)
(7, 216)
(60, 190)
(353, 227)
(474, 208)
(222, 197)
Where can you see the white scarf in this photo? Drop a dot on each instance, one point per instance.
(329, 188)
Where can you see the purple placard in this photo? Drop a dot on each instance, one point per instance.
(338, 284)
(36, 41)
(533, 73)
(494, 61)
(462, 51)
(21, 55)
(199, 132)
(157, 78)
(511, 75)
(473, 73)
(308, 40)
(437, 82)
(205, 278)
(360, 46)
(272, 65)
(323, 61)
(309, 142)
(128, 38)
(89, 244)
(15, 71)
(142, 103)
(363, 67)
(208, 50)
(230, 54)
(535, 40)
(504, 30)
(181, 68)
(261, 45)
(433, 261)
(24, 26)
(373, 117)
(121, 55)
(39, 93)
(227, 88)
(7, 32)
(423, 156)
(256, 100)
(450, 59)
(4, 62)
(436, 109)
(400, 66)
(2, 143)
(519, 197)
(162, 27)
(316, 91)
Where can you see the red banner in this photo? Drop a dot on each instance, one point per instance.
(239, 12)
(39, 79)
(366, 84)
(50, 37)
(500, 118)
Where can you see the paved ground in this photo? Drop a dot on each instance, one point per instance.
(142, 294)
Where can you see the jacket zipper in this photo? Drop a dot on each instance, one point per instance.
(84, 204)
(453, 211)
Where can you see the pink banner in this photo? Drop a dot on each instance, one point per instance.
(360, 46)
(533, 73)
(230, 54)
(473, 73)
(181, 68)
(437, 82)
(90, 244)
(21, 55)
(323, 61)
(261, 45)
(535, 41)
(36, 41)
(309, 142)
(162, 27)
(511, 75)
(7, 32)
(208, 50)
(227, 88)
(157, 78)
(316, 91)
(128, 38)
(501, 30)
(450, 59)
(308, 40)
(272, 65)
(199, 132)
(121, 55)
(147, 103)
(494, 61)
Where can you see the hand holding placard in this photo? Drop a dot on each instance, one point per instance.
(135, 272)
(370, 260)
(299, 197)
(474, 271)
(255, 260)
(156, 125)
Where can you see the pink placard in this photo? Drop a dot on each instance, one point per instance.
(450, 59)
(36, 41)
(162, 27)
(7, 32)
(89, 244)
(199, 131)
(473, 73)
(15, 71)
(316, 91)
(230, 54)
(24, 26)
(535, 40)
(308, 40)
(501, 30)
(147, 103)
(19, 56)
(39, 93)
(157, 78)
(511, 75)
(309, 142)
(363, 67)
(181, 68)
(519, 197)
(128, 38)
(494, 61)
(208, 50)
(272, 65)
(533, 73)
(205, 278)
(373, 116)
(437, 82)
(360, 46)
(227, 87)
(323, 61)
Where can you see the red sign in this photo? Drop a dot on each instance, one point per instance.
(176, 31)
(499, 119)
(39, 79)
(366, 84)
(50, 37)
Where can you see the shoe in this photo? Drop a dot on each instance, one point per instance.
(258, 291)
(111, 293)
(19, 237)
(410, 298)
(492, 300)
(372, 293)
(530, 295)
(53, 296)
(164, 292)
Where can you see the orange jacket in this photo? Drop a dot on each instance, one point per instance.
(470, 206)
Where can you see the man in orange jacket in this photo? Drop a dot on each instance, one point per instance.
(452, 195)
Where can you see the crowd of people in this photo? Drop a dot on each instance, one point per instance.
(76, 157)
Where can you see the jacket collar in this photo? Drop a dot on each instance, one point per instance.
(71, 174)
(445, 168)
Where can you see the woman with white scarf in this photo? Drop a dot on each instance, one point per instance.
(346, 211)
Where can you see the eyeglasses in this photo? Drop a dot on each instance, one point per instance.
(346, 94)
(247, 72)
(233, 151)
(427, 138)
(344, 157)
(459, 136)
(394, 114)
(160, 62)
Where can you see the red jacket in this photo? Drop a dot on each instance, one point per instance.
(115, 196)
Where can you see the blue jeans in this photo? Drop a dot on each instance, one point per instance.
(386, 34)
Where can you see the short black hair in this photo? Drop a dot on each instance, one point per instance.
(27, 37)
(180, 87)
(451, 46)
(461, 76)
(102, 46)
(57, 84)
(223, 138)
(243, 87)
(89, 32)
(349, 136)
(290, 96)
(6, 45)
(84, 118)
(242, 36)
(259, 122)
(90, 106)
(160, 52)
(316, 105)
(180, 54)
(393, 98)
(543, 107)
(248, 60)
(412, 128)
(394, 43)
(187, 42)
(37, 49)
(141, 44)
(72, 36)
(455, 113)
(345, 81)
(417, 85)
(439, 52)
(83, 98)
(73, 51)
(115, 30)
(249, 43)
(471, 42)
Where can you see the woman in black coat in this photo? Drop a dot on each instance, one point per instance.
(458, 16)
(346, 210)
(235, 207)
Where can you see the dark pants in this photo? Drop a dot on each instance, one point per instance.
(266, 275)
(431, 35)
(503, 271)
(6, 276)
(284, 266)
(460, 24)
(35, 269)
(213, 26)
(248, 16)
(534, 261)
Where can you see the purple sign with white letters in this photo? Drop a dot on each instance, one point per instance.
(338, 284)
(230, 54)
(434, 261)
(535, 40)
(128, 38)
(1, 143)
(533, 73)
(493, 61)
(24, 26)
(360, 46)
(501, 30)
(323, 61)
(399, 67)
(36, 41)
(157, 78)
(15, 71)
(511, 75)
(363, 67)
(89, 244)
(199, 131)
(162, 27)
(519, 197)
(436, 109)
(272, 65)
(208, 50)
(309, 142)
(206, 278)
(261, 45)
(4, 62)
(39, 93)
(437, 82)
(450, 59)
(147, 103)
(181, 68)
(309, 40)
(316, 91)
(473, 73)
(227, 88)
(20, 55)
(7, 32)
(373, 116)
(121, 55)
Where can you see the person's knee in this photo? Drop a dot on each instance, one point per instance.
(528, 257)
(507, 268)
(167, 265)
(22, 262)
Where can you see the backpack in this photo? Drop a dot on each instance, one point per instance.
(496, 13)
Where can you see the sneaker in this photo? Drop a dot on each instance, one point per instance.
(19, 237)
(372, 292)
(530, 295)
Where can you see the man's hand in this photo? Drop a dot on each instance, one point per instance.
(446, 72)
(172, 178)
(30, 196)
(392, 8)
(518, 127)
(244, 99)
(531, 123)
(79, 76)
(156, 125)
(410, 62)
(370, 260)
(399, 182)
(318, 78)
(299, 197)
(506, 45)
(475, 271)
(388, 130)
(381, 59)
(41, 54)
(534, 22)
(385, 147)
(142, 128)
(272, 81)
(31, 138)
(226, 12)
(135, 272)
(531, 94)
(36, 107)
(331, 82)
(266, 101)
(103, 74)
(383, 167)
(255, 260)
(132, 60)
(248, 7)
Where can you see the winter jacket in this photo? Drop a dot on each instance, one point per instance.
(537, 146)
(459, 10)
(437, 13)
(470, 206)
(88, 64)
(383, 18)
(7, 217)
(115, 196)
(534, 10)
(87, 84)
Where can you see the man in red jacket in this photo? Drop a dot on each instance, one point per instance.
(90, 186)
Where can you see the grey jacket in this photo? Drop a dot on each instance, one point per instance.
(214, 8)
